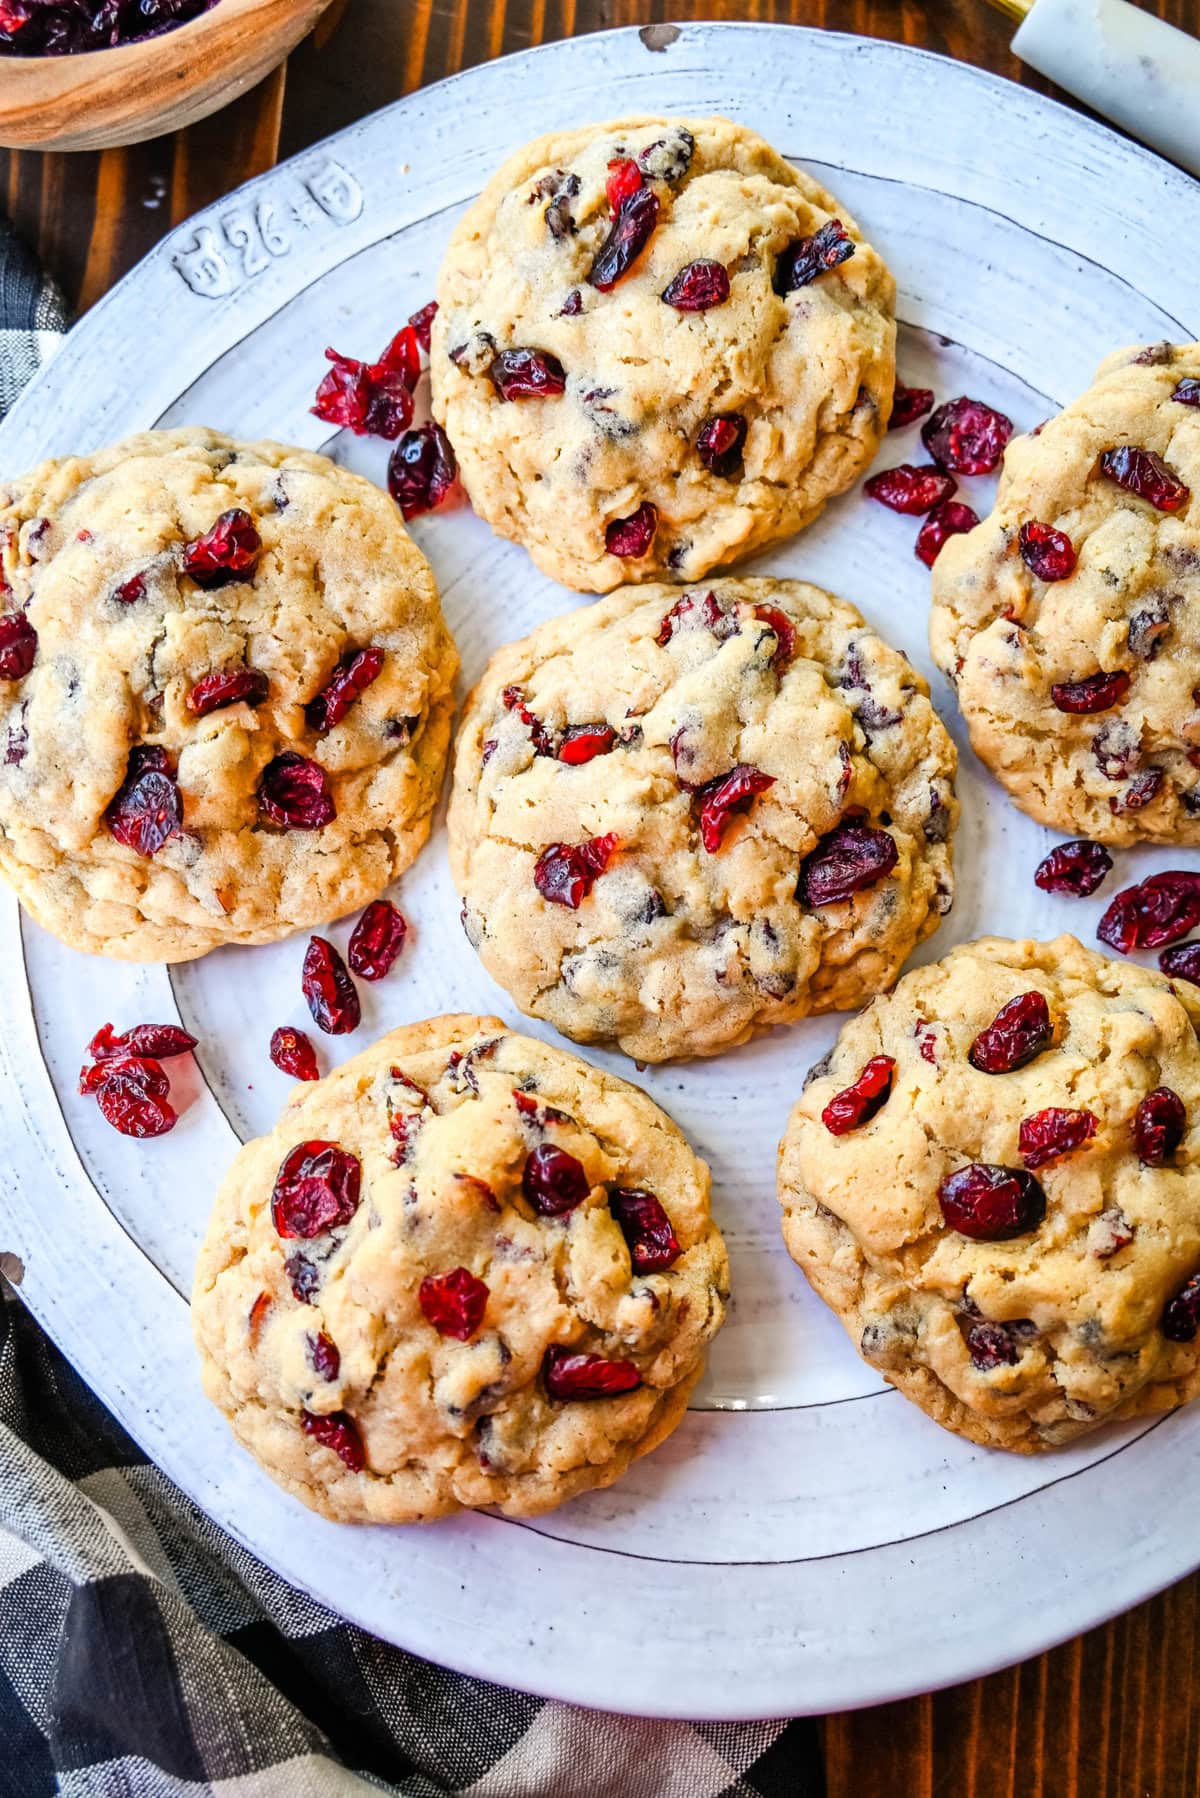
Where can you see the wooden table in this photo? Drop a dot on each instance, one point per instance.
(1115, 1712)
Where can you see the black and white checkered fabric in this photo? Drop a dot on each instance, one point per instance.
(143, 1652)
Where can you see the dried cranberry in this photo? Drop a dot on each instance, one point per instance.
(316, 1189)
(911, 490)
(1145, 473)
(293, 1054)
(422, 324)
(583, 742)
(140, 1071)
(949, 520)
(372, 399)
(989, 1346)
(528, 375)
(453, 1303)
(652, 1243)
(377, 940)
(1182, 962)
(294, 792)
(1181, 1318)
(1188, 392)
(336, 1430)
(229, 551)
(1047, 553)
(553, 1181)
(624, 178)
(809, 257)
(215, 691)
(849, 859)
(130, 1104)
(570, 1376)
(1159, 910)
(1139, 793)
(158, 1041)
(965, 436)
(349, 680)
(401, 357)
(1045, 1135)
(785, 633)
(991, 1204)
(1077, 868)
(630, 232)
(542, 739)
(857, 1104)
(631, 537)
(1158, 1126)
(258, 1312)
(909, 404)
(1019, 1031)
(323, 1356)
(18, 645)
(16, 744)
(721, 798)
(1096, 693)
(332, 995)
(572, 306)
(719, 445)
(697, 287)
(421, 470)
(691, 613)
(146, 811)
(303, 1278)
(343, 393)
(1116, 747)
(565, 873)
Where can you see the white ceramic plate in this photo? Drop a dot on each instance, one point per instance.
(807, 1541)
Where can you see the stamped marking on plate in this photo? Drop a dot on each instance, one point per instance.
(243, 241)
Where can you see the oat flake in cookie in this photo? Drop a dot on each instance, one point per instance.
(467, 1269)
(1005, 1212)
(680, 815)
(658, 348)
(225, 694)
(1069, 620)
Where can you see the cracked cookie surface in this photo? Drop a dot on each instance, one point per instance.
(802, 380)
(1122, 764)
(93, 547)
(1026, 1339)
(723, 738)
(443, 1121)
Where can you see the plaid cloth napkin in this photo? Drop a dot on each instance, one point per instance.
(144, 1652)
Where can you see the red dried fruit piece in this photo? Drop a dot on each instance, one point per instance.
(652, 1243)
(1182, 962)
(699, 286)
(1138, 794)
(1158, 1126)
(453, 1303)
(565, 873)
(130, 591)
(624, 178)
(18, 645)
(553, 1181)
(572, 306)
(911, 490)
(965, 436)
(1188, 392)
(990, 1203)
(303, 1278)
(1077, 868)
(909, 404)
(349, 680)
(228, 551)
(401, 357)
(728, 794)
(422, 324)
(543, 739)
(258, 1312)
(160, 1041)
(421, 470)
(294, 792)
(336, 1430)
(1047, 553)
(583, 742)
(631, 537)
(989, 1346)
(857, 1104)
(785, 632)
(1019, 1031)
(1181, 1318)
(719, 444)
(323, 1355)
(1145, 473)
(137, 1070)
(371, 399)
(343, 394)
(926, 1042)
(528, 375)
(215, 691)
(571, 1376)
(1045, 1135)
(132, 1098)
(949, 520)
(630, 232)
(1157, 911)
(809, 257)
(377, 940)
(326, 984)
(850, 858)
(146, 811)
(316, 1189)
(1096, 693)
(293, 1054)
(691, 613)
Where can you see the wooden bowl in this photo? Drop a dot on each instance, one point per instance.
(105, 97)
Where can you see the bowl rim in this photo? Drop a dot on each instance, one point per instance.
(219, 10)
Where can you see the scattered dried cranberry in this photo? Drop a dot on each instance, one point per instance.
(857, 1104)
(948, 520)
(572, 306)
(132, 1098)
(421, 470)
(1188, 392)
(18, 645)
(453, 1303)
(1159, 910)
(785, 633)
(528, 375)
(422, 324)
(809, 257)
(624, 178)
(571, 1376)
(215, 691)
(909, 404)
(336, 1430)
(294, 792)
(159, 1041)
(1019, 1031)
(349, 680)
(965, 436)
(326, 984)
(1138, 794)
(630, 232)
(719, 445)
(911, 490)
(721, 798)
(852, 857)
(566, 872)
(372, 399)
(146, 811)
(229, 551)
(141, 1071)
(303, 1278)
(692, 613)
(293, 1054)
(1047, 553)
(377, 940)
(258, 1312)
(1145, 473)
(989, 1346)
(323, 1355)
(1158, 1126)
(991, 1204)
(553, 1181)
(652, 1243)
(697, 287)
(1056, 1131)
(1181, 1318)
(1096, 693)
(631, 537)
(1182, 962)
(316, 1189)
(130, 591)
(542, 739)
(1077, 868)
(583, 742)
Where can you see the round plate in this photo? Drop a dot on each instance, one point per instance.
(807, 1540)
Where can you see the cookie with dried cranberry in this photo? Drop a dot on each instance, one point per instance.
(1069, 620)
(467, 1269)
(225, 694)
(994, 1180)
(682, 815)
(658, 348)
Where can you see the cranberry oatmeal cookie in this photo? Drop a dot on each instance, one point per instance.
(683, 815)
(225, 694)
(467, 1269)
(994, 1180)
(1069, 620)
(658, 348)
